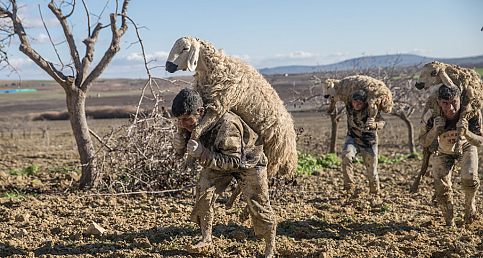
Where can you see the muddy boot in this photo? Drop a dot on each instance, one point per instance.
(347, 171)
(349, 189)
(244, 215)
(270, 243)
(470, 187)
(447, 209)
(374, 187)
(470, 208)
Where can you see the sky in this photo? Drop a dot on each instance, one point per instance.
(264, 34)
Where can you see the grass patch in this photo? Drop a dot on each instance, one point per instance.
(479, 71)
(307, 163)
(16, 195)
(398, 158)
(64, 170)
(26, 171)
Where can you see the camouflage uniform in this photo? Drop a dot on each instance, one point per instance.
(444, 160)
(363, 142)
(233, 149)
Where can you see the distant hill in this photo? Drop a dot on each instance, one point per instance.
(406, 60)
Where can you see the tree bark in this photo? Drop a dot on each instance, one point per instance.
(335, 124)
(409, 126)
(75, 100)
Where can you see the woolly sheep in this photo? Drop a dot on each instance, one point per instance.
(434, 74)
(226, 83)
(379, 97)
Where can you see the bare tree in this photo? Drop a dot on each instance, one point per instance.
(77, 84)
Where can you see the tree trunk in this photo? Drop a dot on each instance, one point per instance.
(409, 125)
(77, 116)
(333, 135)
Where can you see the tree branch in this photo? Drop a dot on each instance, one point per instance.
(111, 51)
(68, 36)
(27, 49)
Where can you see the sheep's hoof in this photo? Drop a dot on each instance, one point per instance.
(457, 149)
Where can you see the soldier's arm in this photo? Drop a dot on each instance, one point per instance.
(428, 135)
(229, 149)
(472, 133)
(380, 122)
(474, 139)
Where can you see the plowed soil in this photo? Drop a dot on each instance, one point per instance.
(43, 215)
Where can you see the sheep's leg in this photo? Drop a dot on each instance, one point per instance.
(180, 152)
(457, 146)
(235, 196)
(190, 161)
(422, 172)
(372, 113)
(209, 118)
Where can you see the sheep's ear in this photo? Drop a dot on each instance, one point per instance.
(193, 56)
(445, 78)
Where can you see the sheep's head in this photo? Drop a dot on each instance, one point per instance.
(184, 55)
(433, 73)
(328, 88)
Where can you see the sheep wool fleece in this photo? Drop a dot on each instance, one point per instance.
(233, 150)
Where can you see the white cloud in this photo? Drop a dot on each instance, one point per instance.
(30, 16)
(42, 38)
(296, 55)
(19, 62)
(418, 51)
(158, 56)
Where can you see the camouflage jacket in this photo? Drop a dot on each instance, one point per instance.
(449, 134)
(231, 145)
(355, 123)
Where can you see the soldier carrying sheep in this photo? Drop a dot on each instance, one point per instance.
(364, 98)
(449, 124)
(228, 149)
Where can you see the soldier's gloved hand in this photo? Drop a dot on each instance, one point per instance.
(463, 124)
(438, 122)
(370, 123)
(179, 141)
(194, 148)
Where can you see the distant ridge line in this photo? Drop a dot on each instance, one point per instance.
(406, 60)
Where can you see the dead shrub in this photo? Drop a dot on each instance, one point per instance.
(140, 157)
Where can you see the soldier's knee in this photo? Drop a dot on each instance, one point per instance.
(470, 184)
(346, 159)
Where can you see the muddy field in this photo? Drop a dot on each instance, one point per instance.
(42, 215)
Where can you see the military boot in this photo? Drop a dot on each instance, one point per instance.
(270, 242)
(470, 207)
(347, 171)
(470, 187)
(374, 186)
(447, 209)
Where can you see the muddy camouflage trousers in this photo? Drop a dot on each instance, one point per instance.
(443, 169)
(254, 186)
(369, 155)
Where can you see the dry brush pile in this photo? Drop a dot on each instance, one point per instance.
(140, 157)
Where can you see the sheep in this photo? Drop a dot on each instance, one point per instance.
(379, 97)
(434, 74)
(226, 83)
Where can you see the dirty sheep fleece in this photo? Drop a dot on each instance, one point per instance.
(379, 97)
(226, 83)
